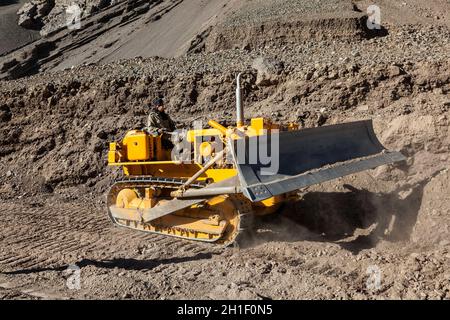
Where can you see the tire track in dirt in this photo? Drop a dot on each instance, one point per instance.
(72, 230)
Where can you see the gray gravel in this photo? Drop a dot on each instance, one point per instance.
(258, 11)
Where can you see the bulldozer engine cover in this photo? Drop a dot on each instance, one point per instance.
(306, 157)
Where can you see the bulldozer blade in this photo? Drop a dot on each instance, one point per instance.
(307, 157)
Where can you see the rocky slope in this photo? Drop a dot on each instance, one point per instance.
(127, 29)
(12, 36)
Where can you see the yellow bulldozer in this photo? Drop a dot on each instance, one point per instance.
(212, 187)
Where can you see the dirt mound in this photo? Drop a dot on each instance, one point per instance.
(433, 221)
(250, 37)
(260, 24)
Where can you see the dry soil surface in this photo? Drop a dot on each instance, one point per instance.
(389, 224)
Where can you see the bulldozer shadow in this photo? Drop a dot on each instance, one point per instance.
(138, 265)
(120, 263)
(357, 219)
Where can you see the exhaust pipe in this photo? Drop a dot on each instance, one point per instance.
(205, 192)
(239, 107)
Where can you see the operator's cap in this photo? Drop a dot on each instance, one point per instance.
(158, 102)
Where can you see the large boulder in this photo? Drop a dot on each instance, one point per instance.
(27, 16)
(33, 13)
(50, 15)
(268, 69)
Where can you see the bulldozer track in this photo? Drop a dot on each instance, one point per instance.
(243, 206)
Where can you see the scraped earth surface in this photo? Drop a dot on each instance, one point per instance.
(380, 234)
